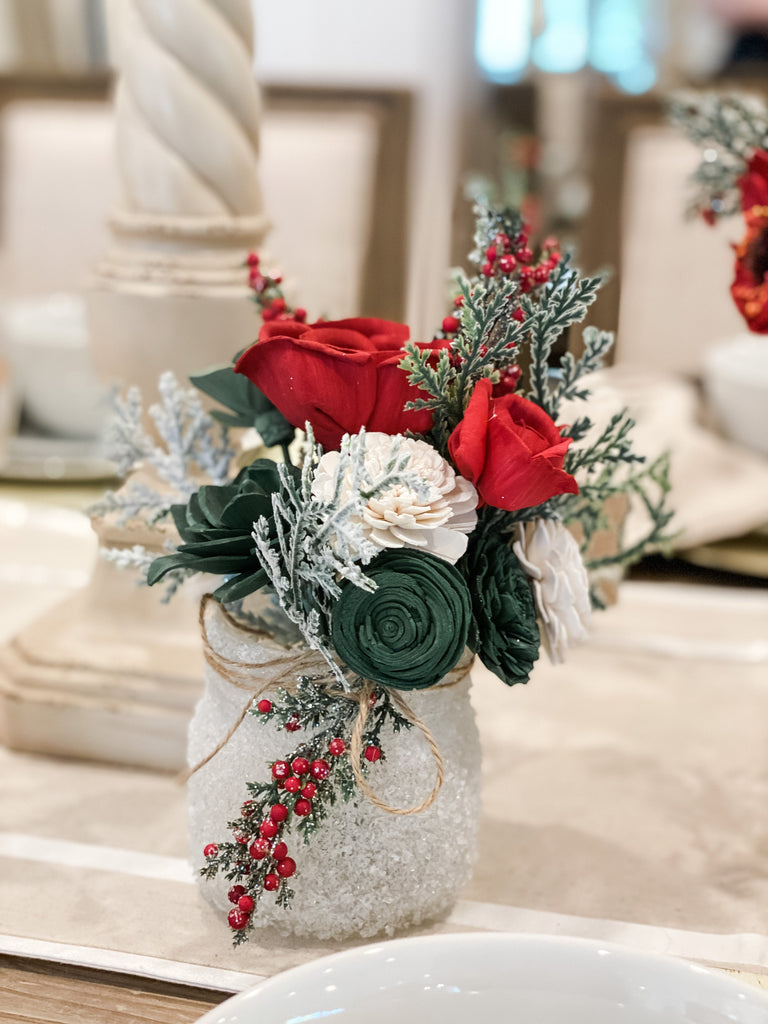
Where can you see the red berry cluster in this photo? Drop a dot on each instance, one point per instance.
(300, 778)
(268, 293)
(259, 854)
(506, 256)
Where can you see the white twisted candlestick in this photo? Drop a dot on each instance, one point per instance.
(187, 108)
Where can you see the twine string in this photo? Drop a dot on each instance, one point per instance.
(288, 666)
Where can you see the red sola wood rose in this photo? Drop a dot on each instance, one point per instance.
(749, 288)
(340, 375)
(511, 450)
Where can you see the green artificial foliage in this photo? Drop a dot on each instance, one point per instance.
(248, 406)
(411, 630)
(216, 527)
(505, 632)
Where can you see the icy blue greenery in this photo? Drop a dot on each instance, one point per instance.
(188, 444)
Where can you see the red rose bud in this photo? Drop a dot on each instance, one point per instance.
(511, 450)
(252, 259)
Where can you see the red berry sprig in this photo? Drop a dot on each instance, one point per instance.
(268, 294)
(299, 789)
(506, 256)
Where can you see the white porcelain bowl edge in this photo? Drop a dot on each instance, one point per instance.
(522, 979)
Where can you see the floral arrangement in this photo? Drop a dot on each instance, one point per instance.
(733, 176)
(435, 502)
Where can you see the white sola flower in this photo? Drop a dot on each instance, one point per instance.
(550, 556)
(437, 523)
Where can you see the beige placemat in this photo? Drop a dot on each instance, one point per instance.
(625, 798)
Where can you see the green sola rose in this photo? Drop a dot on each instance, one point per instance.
(505, 633)
(411, 630)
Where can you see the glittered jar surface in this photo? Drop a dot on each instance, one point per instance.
(365, 872)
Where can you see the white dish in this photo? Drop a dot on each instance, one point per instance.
(736, 381)
(521, 979)
(54, 460)
(46, 342)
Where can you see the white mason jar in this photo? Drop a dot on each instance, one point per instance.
(365, 871)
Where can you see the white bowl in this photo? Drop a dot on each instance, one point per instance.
(736, 382)
(46, 341)
(520, 979)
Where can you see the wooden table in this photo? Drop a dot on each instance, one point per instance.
(34, 991)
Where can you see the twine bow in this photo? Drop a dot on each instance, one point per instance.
(287, 667)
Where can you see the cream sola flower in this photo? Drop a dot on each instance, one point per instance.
(437, 523)
(550, 556)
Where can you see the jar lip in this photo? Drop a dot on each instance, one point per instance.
(219, 630)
